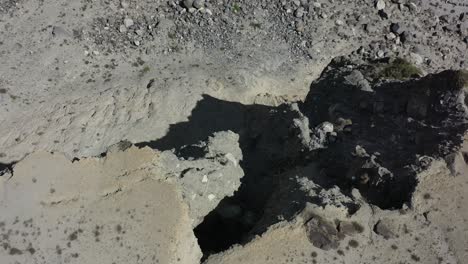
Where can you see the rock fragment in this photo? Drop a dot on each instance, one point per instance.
(380, 4)
(198, 4)
(384, 228)
(456, 163)
(128, 22)
(396, 28)
(322, 234)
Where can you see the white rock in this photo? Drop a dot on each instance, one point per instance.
(390, 36)
(380, 53)
(124, 4)
(339, 22)
(204, 179)
(122, 28)
(128, 22)
(380, 4)
(231, 158)
(416, 58)
(326, 127)
(211, 197)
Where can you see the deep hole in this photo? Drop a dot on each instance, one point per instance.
(232, 221)
(225, 226)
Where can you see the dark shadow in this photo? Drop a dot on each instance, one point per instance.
(399, 121)
(6, 167)
(264, 137)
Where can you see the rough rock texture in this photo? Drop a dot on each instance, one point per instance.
(383, 134)
(366, 165)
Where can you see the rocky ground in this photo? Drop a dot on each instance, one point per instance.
(224, 131)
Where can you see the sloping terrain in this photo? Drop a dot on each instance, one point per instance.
(233, 131)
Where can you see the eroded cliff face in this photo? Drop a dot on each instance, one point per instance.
(363, 170)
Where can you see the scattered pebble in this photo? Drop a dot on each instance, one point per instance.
(128, 22)
(198, 4)
(380, 4)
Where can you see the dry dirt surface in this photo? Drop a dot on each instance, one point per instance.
(233, 131)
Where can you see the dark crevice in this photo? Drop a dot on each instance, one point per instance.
(377, 152)
(6, 168)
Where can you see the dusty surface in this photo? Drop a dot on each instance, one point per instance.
(92, 209)
(224, 131)
(71, 81)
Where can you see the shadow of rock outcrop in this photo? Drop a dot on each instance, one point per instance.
(352, 131)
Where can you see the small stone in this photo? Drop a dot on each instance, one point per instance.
(383, 14)
(339, 22)
(204, 179)
(390, 36)
(211, 197)
(192, 10)
(300, 26)
(59, 32)
(299, 12)
(317, 5)
(380, 53)
(208, 12)
(360, 152)
(456, 163)
(405, 37)
(413, 7)
(357, 79)
(188, 4)
(136, 42)
(416, 58)
(326, 127)
(395, 28)
(198, 4)
(380, 4)
(384, 229)
(124, 4)
(128, 22)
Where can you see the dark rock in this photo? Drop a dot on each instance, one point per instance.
(396, 28)
(383, 14)
(405, 37)
(350, 228)
(444, 19)
(322, 234)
